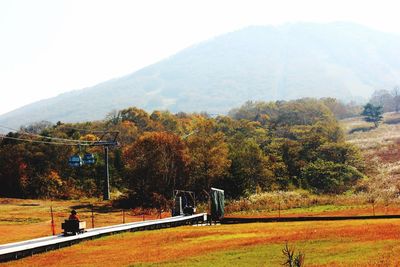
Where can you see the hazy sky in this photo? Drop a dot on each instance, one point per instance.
(48, 46)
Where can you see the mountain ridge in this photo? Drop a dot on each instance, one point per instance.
(342, 60)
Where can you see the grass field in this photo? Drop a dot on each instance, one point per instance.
(22, 219)
(343, 243)
(323, 210)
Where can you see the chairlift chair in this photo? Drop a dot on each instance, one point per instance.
(75, 161)
(89, 159)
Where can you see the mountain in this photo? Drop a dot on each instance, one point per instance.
(342, 60)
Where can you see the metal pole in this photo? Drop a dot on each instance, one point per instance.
(106, 195)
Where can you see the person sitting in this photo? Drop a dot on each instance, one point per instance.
(73, 216)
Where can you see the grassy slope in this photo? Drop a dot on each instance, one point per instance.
(380, 147)
(368, 138)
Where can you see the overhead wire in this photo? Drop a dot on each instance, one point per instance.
(58, 141)
(41, 142)
(48, 137)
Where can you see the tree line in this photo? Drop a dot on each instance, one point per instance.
(389, 100)
(260, 146)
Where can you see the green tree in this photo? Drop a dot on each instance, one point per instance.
(373, 114)
(342, 153)
(329, 177)
(250, 168)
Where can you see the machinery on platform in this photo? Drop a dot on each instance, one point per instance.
(184, 203)
(73, 227)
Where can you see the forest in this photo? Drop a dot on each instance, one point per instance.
(258, 147)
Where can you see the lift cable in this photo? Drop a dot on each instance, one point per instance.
(42, 142)
(48, 137)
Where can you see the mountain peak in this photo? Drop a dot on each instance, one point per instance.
(339, 59)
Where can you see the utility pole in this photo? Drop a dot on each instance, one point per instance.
(106, 145)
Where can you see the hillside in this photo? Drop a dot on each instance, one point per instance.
(341, 60)
(380, 148)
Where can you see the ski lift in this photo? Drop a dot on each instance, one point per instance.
(89, 159)
(184, 203)
(75, 161)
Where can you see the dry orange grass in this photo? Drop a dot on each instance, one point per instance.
(180, 244)
(22, 219)
(26, 219)
(362, 210)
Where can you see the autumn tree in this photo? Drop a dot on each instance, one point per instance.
(12, 169)
(128, 132)
(166, 119)
(24, 167)
(140, 118)
(340, 109)
(255, 111)
(209, 156)
(156, 163)
(263, 145)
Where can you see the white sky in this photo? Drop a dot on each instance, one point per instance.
(48, 47)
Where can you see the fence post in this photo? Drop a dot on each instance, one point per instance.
(279, 209)
(123, 216)
(53, 228)
(92, 216)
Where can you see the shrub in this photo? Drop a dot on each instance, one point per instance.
(329, 177)
(291, 258)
